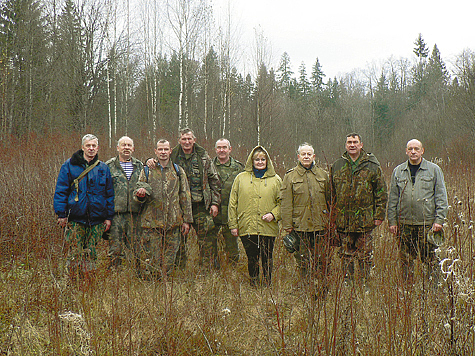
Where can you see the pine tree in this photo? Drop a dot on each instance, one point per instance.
(317, 76)
(284, 74)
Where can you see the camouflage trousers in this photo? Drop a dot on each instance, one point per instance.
(356, 247)
(124, 237)
(157, 253)
(313, 253)
(231, 246)
(413, 244)
(82, 240)
(208, 245)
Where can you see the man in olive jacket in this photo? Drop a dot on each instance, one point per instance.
(125, 172)
(205, 188)
(417, 207)
(359, 203)
(228, 168)
(305, 195)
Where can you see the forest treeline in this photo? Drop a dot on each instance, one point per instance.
(150, 68)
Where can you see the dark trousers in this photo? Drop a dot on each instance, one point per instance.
(259, 247)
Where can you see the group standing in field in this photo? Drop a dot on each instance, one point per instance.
(146, 211)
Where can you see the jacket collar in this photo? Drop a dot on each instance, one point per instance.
(77, 159)
(301, 169)
(424, 165)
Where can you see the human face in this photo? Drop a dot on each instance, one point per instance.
(353, 147)
(223, 150)
(259, 161)
(414, 151)
(306, 156)
(187, 141)
(90, 148)
(125, 149)
(163, 152)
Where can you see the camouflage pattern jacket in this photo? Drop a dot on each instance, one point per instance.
(168, 200)
(305, 194)
(123, 188)
(211, 184)
(227, 173)
(359, 196)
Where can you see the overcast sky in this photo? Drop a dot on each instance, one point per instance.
(347, 35)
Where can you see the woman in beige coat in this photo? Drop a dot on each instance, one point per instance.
(253, 212)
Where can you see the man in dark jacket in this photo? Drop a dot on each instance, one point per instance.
(84, 204)
(125, 172)
(359, 198)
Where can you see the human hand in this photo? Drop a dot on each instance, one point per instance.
(108, 224)
(268, 217)
(234, 232)
(378, 222)
(62, 222)
(213, 210)
(436, 227)
(185, 228)
(151, 163)
(141, 192)
(393, 229)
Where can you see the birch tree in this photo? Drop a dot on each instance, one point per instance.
(186, 18)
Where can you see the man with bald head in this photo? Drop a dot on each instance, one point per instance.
(417, 207)
(125, 171)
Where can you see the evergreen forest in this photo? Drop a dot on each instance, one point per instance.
(149, 69)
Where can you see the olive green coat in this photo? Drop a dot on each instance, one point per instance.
(252, 197)
(304, 195)
(359, 195)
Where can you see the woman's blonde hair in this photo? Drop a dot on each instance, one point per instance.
(257, 151)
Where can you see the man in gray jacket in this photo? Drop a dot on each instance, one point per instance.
(417, 207)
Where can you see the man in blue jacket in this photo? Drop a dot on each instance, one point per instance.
(84, 204)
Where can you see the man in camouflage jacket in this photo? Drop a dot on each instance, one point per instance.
(228, 168)
(166, 214)
(125, 172)
(205, 188)
(359, 203)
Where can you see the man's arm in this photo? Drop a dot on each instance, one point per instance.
(393, 199)
(185, 199)
(380, 196)
(440, 197)
(61, 194)
(214, 182)
(142, 188)
(109, 195)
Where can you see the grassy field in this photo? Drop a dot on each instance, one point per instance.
(218, 313)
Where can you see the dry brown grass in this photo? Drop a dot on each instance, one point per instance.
(197, 313)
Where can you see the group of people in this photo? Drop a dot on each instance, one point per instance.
(147, 210)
